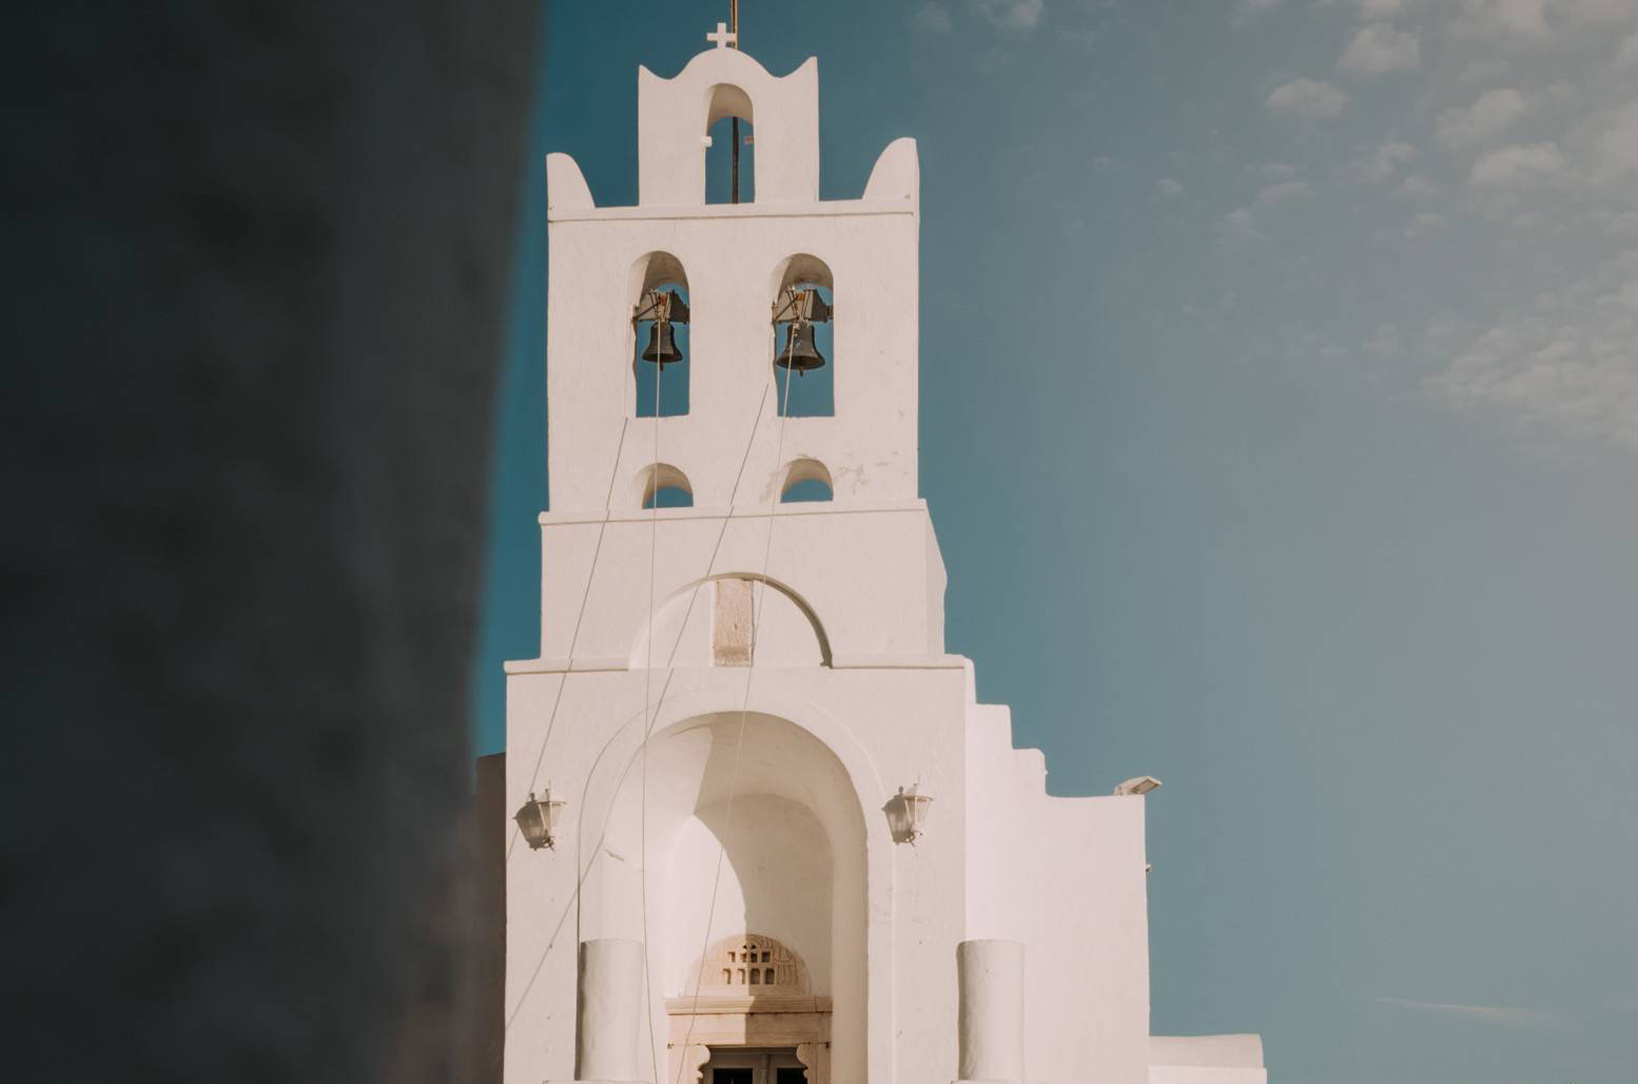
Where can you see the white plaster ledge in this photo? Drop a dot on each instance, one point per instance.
(839, 208)
(715, 1004)
(1206, 1074)
(561, 666)
(797, 508)
(839, 662)
(898, 662)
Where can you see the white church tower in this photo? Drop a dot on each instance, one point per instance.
(788, 843)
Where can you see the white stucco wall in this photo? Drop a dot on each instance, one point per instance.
(1065, 875)
(870, 573)
(776, 880)
(731, 256)
(673, 116)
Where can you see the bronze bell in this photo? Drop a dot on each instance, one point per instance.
(800, 353)
(662, 344)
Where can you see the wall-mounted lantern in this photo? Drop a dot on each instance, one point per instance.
(537, 820)
(906, 811)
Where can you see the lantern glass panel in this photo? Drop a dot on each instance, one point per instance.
(534, 826)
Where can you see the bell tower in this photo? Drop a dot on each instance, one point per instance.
(734, 264)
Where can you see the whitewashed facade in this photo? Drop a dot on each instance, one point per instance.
(726, 900)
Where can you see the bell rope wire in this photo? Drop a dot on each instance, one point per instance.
(573, 904)
(574, 637)
(648, 682)
(744, 706)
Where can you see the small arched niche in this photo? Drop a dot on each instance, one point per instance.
(810, 394)
(806, 480)
(658, 390)
(726, 105)
(663, 486)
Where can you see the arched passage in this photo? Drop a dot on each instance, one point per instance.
(775, 808)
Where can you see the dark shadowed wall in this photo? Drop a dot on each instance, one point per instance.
(257, 256)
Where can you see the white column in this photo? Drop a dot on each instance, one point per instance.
(610, 1010)
(991, 1024)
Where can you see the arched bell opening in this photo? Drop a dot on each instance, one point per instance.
(806, 480)
(659, 343)
(804, 340)
(729, 114)
(664, 486)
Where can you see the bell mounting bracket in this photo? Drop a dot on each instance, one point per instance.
(801, 306)
(661, 306)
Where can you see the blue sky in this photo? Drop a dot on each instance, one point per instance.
(1280, 428)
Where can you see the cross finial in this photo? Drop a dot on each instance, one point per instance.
(723, 37)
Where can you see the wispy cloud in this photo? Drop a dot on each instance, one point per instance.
(1486, 119)
(1418, 187)
(1527, 17)
(1490, 1014)
(932, 17)
(1628, 56)
(1618, 145)
(1250, 9)
(1023, 15)
(1282, 190)
(1379, 48)
(1517, 165)
(1424, 223)
(1601, 11)
(1169, 187)
(1238, 228)
(1382, 163)
(1567, 364)
(1309, 98)
(1243, 224)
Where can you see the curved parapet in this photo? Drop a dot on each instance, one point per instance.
(896, 174)
(565, 185)
(674, 118)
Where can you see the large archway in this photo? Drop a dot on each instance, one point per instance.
(752, 826)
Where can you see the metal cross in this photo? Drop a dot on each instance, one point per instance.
(723, 37)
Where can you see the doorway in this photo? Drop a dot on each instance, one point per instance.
(741, 1065)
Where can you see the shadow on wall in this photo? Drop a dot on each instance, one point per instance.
(254, 365)
(793, 853)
